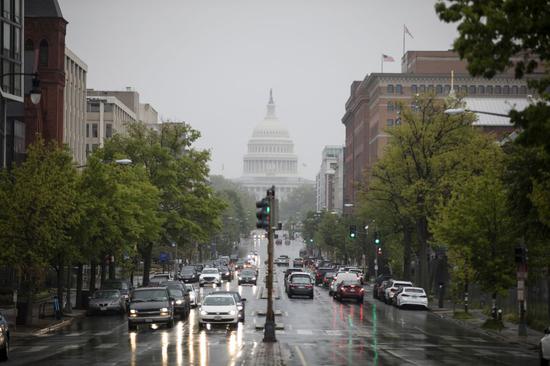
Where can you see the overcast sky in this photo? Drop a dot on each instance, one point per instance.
(211, 62)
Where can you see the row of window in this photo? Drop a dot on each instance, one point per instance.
(11, 10)
(270, 149)
(464, 89)
(393, 122)
(92, 130)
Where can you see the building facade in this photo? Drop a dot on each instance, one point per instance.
(374, 103)
(270, 158)
(74, 127)
(330, 179)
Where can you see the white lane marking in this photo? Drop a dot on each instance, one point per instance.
(70, 347)
(333, 332)
(106, 345)
(301, 356)
(304, 331)
(102, 333)
(77, 334)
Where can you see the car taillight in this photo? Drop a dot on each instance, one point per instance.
(362, 290)
(309, 286)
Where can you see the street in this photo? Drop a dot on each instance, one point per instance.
(316, 332)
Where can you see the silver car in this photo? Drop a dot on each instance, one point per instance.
(545, 348)
(193, 295)
(105, 301)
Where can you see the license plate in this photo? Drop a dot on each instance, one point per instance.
(148, 320)
(217, 317)
(352, 290)
(103, 309)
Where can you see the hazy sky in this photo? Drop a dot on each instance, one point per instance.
(211, 62)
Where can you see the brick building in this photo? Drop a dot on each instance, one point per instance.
(374, 102)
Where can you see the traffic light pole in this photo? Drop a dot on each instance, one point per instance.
(269, 327)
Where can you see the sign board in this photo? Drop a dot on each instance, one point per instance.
(163, 257)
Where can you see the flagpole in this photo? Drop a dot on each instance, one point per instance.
(382, 64)
(403, 41)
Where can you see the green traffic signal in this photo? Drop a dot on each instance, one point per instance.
(352, 231)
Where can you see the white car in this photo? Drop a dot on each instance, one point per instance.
(545, 348)
(340, 276)
(411, 296)
(218, 309)
(210, 276)
(193, 297)
(392, 289)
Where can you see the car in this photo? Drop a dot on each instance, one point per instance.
(282, 261)
(199, 267)
(240, 264)
(298, 262)
(299, 283)
(226, 273)
(287, 241)
(279, 241)
(411, 296)
(4, 338)
(150, 305)
(545, 348)
(320, 272)
(121, 285)
(328, 278)
(382, 290)
(156, 279)
(350, 289)
(392, 288)
(340, 276)
(185, 301)
(377, 282)
(105, 301)
(241, 302)
(247, 276)
(289, 271)
(218, 309)
(181, 302)
(210, 276)
(193, 295)
(189, 274)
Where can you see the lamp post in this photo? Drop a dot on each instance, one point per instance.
(455, 111)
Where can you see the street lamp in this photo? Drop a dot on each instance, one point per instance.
(35, 93)
(117, 162)
(455, 111)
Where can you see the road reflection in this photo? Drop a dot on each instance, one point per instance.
(203, 349)
(164, 347)
(133, 348)
(179, 343)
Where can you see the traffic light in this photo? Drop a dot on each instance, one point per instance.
(263, 213)
(376, 238)
(379, 251)
(352, 231)
(521, 255)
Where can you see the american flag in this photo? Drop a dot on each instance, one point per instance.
(406, 30)
(387, 58)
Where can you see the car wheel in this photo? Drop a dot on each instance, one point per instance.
(311, 297)
(4, 352)
(239, 283)
(289, 295)
(131, 326)
(329, 293)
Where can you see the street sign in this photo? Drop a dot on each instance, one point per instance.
(163, 257)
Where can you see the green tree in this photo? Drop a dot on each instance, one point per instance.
(298, 203)
(38, 200)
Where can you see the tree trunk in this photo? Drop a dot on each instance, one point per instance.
(60, 284)
(103, 273)
(146, 254)
(93, 269)
(548, 290)
(79, 280)
(69, 306)
(494, 305)
(407, 252)
(422, 228)
(112, 268)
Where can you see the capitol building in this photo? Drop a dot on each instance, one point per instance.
(270, 158)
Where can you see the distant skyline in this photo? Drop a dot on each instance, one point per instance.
(212, 63)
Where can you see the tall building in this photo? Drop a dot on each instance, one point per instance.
(330, 179)
(74, 127)
(148, 114)
(373, 105)
(270, 158)
(12, 128)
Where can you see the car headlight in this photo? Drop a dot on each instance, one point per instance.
(164, 310)
(240, 278)
(227, 273)
(240, 307)
(133, 311)
(232, 312)
(253, 278)
(204, 312)
(179, 302)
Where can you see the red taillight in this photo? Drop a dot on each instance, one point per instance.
(309, 286)
(362, 290)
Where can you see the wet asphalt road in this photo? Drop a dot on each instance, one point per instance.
(317, 332)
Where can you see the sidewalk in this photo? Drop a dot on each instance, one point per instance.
(508, 334)
(47, 325)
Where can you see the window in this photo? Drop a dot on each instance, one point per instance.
(107, 107)
(390, 89)
(514, 89)
(422, 88)
(439, 89)
(6, 80)
(399, 89)
(17, 43)
(43, 53)
(390, 106)
(489, 89)
(93, 107)
(94, 147)
(6, 40)
(109, 130)
(430, 88)
(481, 89)
(389, 122)
(447, 89)
(16, 79)
(17, 11)
(523, 89)
(464, 89)
(506, 89)
(87, 130)
(498, 89)
(472, 90)
(414, 89)
(6, 8)
(94, 130)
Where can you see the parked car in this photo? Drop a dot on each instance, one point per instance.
(299, 283)
(105, 301)
(411, 296)
(381, 290)
(241, 302)
(392, 288)
(156, 279)
(377, 282)
(350, 289)
(545, 348)
(340, 276)
(218, 309)
(279, 241)
(247, 276)
(121, 285)
(193, 295)
(4, 338)
(328, 278)
(189, 274)
(298, 262)
(287, 241)
(150, 305)
(320, 272)
(181, 302)
(210, 276)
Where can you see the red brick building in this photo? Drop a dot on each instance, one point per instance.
(45, 30)
(373, 105)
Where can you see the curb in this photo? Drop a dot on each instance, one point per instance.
(54, 327)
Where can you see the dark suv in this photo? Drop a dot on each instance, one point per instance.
(189, 274)
(150, 305)
(300, 284)
(378, 283)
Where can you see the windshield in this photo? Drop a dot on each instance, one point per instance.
(218, 301)
(248, 273)
(351, 283)
(106, 295)
(210, 270)
(301, 279)
(150, 295)
(176, 293)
